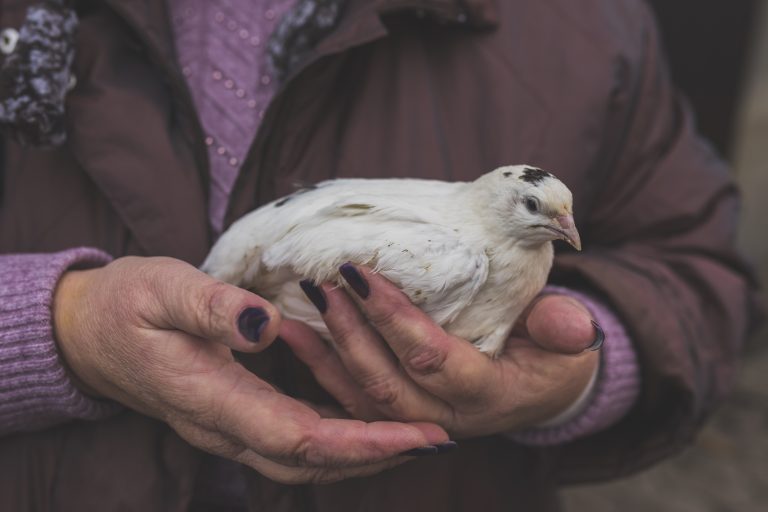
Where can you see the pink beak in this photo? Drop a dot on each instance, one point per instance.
(567, 231)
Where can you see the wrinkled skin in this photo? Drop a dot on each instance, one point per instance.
(389, 360)
(156, 335)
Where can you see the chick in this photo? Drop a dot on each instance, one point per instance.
(472, 255)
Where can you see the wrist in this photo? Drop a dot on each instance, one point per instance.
(67, 314)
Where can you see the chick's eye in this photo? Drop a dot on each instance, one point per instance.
(532, 204)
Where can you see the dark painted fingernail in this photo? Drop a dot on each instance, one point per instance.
(599, 337)
(315, 294)
(251, 322)
(355, 280)
(446, 447)
(421, 451)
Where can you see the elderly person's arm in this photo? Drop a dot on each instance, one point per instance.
(36, 391)
(156, 334)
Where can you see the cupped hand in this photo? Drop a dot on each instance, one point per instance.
(156, 335)
(390, 360)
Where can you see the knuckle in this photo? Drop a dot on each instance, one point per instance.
(382, 389)
(211, 307)
(425, 359)
(387, 315)
(344, 336)
(303, 452)
(294, 446)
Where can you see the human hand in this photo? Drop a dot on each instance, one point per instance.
(155, 334)
(390, 360)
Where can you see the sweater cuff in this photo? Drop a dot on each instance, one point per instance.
(615, 388)
(35, 389)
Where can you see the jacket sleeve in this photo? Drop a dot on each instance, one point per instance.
(35, 389)
(661, 251)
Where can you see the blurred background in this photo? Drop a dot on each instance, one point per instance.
(718, 54)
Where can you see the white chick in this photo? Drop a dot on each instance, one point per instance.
(472, 255)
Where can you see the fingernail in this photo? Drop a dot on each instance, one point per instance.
(314, 294)
(251, 322)
(355, 280)
(421, 451)
(446, 447)
(599, 337)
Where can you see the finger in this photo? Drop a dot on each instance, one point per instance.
(204, 307)
(215, 443)
(327, 368)
(247, 409)
(374, 393)
(445, 365)
(295, 475)
(317, 475)
(374, 367)
(327, 410)
(562, 324)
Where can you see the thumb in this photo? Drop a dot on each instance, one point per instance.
(561, 324)
(200, 305)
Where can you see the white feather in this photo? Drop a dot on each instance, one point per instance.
(444, 244)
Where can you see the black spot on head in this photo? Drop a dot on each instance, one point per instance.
(534, 175)
(507, 174)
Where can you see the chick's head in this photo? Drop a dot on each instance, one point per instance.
(535, 207)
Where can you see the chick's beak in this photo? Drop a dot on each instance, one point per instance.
(566, 228)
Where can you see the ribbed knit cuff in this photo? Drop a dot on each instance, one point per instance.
(35, 390)
(614, 392)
